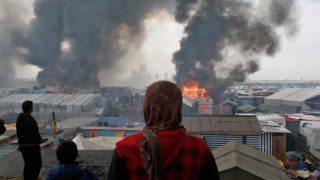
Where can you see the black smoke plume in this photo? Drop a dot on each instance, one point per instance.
(71, 40)
(226, 38)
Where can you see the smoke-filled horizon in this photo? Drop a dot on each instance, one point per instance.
(225, 39)
(73, 40)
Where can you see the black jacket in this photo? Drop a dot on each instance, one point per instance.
(2, 127)
(27, 130)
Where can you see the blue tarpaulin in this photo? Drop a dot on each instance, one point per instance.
(113, 122)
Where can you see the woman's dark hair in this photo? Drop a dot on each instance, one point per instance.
(67, 152)
(27, 106)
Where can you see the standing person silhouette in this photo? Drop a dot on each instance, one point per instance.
(2, 127)
(163, 150)
(29, 140)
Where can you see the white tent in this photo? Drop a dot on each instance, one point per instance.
(96, 143)
(84, 144)
(311, 130)
(106, 141)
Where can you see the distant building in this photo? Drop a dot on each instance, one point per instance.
(111, 126)
(52, 102)
(226, 107)
(8, 91)
(296, 99)
(66, 106)
(219, 130)
(198, 106)
(305, 134)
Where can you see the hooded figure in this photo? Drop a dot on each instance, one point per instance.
(162, 150)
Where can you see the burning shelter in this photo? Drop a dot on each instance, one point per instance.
(196, 98)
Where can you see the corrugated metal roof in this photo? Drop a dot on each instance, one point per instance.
(303, 94)
(227, 125)
(55, 99)
(292, 96)
(236, 155)
(283, 93)
(300, 96)
(88, 99)
(276, 98)
(276, 108)
(61, 98)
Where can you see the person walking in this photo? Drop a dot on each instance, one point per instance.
(163, 151)
(68, 168)
(29, 140)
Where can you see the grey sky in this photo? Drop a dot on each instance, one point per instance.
(299, 57)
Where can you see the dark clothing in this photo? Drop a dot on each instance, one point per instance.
(32, 159)
(303, 165)
(117, 168)
(29, 140)
(2, 127)
(70, 172)
(183, 157)
(313, 167)
(27, 130)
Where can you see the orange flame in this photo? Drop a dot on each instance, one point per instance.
(192, 90)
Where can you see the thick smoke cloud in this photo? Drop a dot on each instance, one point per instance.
(184, 9)
(11, 22)
(71, 40)
(220, 28)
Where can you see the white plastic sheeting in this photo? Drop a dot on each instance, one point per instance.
(96, 143)
(105, 141)
(311, 130)
(280, 120)
(84, 144)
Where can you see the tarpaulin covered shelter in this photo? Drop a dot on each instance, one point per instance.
(311, 130)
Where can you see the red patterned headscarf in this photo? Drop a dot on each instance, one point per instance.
(162, 110)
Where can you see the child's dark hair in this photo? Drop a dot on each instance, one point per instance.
(27, 106)
(67, 152)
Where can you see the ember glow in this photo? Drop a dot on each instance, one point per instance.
(192, 90)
